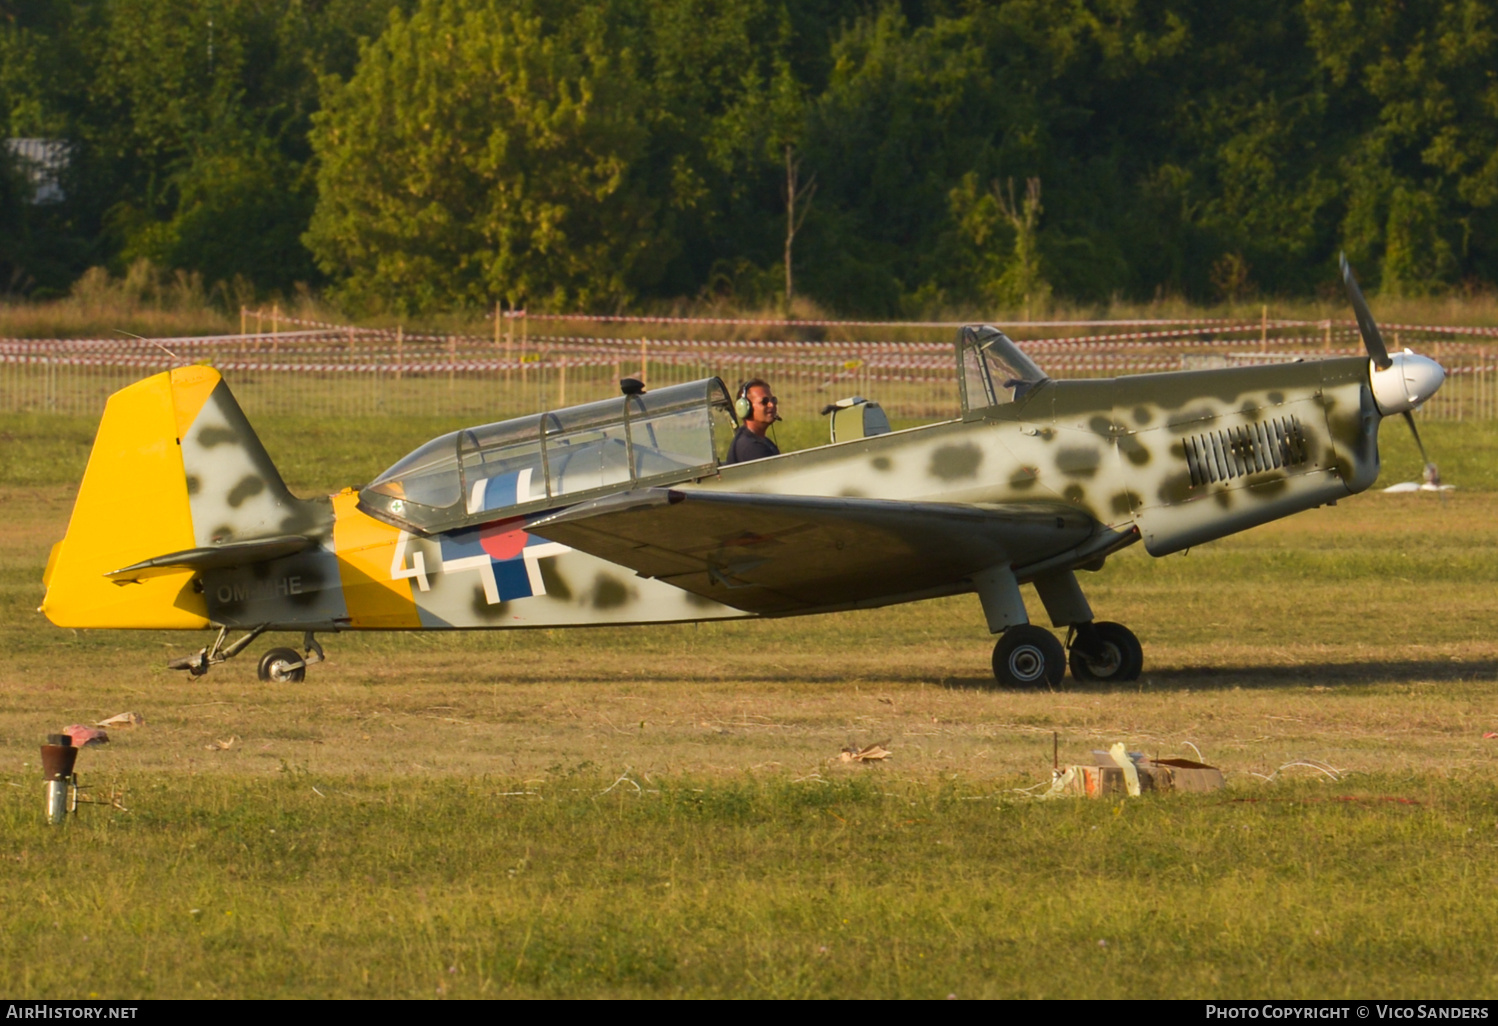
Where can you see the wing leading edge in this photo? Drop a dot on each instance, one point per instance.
(777, 554)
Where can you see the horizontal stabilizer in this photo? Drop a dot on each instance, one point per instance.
(216, 557)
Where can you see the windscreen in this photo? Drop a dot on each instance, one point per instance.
(993, 370)
(427, 477)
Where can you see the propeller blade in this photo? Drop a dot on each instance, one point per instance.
(1409, 418)
(1372, 340)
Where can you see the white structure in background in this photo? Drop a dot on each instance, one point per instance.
(42, 162)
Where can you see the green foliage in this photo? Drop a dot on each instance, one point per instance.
(13, 192)
(475, 156)
(188, 120)
(1007, 275)
(238, 214)
(558, 153)
(1418, 260)
(1412, 90)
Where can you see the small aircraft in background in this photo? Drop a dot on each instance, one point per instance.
(623, 511)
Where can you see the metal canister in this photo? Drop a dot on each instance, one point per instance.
(58, 758)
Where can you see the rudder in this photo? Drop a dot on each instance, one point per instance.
(174, 466)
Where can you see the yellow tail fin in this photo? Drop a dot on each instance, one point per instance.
(133, 505)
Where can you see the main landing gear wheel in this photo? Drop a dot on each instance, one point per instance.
(1121, 658)
(283, 666)
(1028, 656)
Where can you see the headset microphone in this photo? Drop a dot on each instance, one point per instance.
(743, 406)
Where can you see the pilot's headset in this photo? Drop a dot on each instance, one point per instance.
(742, 407)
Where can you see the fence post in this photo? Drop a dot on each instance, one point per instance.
(275, 327)
(400, 351)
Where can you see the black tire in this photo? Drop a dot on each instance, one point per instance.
(1028, 656)
(1124, 661)
(283, 666)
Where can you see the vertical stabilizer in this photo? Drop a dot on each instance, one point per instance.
(234, 490)
(175, 466)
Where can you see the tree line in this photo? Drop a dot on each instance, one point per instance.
(879, 158)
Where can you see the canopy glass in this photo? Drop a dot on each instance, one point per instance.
(482, 474)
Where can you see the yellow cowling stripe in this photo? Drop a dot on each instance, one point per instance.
(132, 505)
(365, 549)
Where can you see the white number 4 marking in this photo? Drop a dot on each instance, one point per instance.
(418, 570)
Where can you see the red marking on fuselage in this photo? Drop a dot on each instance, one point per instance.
(505, 539)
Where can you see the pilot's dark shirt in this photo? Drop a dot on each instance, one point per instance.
(748, 446)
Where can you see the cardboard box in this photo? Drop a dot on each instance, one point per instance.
(1184, 775)
(1154, 775)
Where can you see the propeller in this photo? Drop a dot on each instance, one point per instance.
(1367, 326)
(1409, 418)
(1400, 382)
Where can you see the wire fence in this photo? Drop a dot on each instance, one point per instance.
(531, 363)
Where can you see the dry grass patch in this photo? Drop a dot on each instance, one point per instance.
(1330, 635)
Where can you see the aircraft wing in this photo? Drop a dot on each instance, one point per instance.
(779, 554)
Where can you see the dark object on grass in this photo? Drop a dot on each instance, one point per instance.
(58, 758)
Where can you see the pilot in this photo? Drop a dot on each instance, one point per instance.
(757, 408)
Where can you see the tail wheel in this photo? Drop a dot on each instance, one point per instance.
(283, 666)
(1028, 656)
(1122, 659)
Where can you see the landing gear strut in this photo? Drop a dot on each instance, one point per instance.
(216, 653)
(1031, 656)
(279, 665)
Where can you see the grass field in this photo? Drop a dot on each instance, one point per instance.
(661, 811)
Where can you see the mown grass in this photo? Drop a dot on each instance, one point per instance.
(320, 885)
(661, 811)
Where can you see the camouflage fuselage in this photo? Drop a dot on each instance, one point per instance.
(1266, 441)
(1175, 459)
